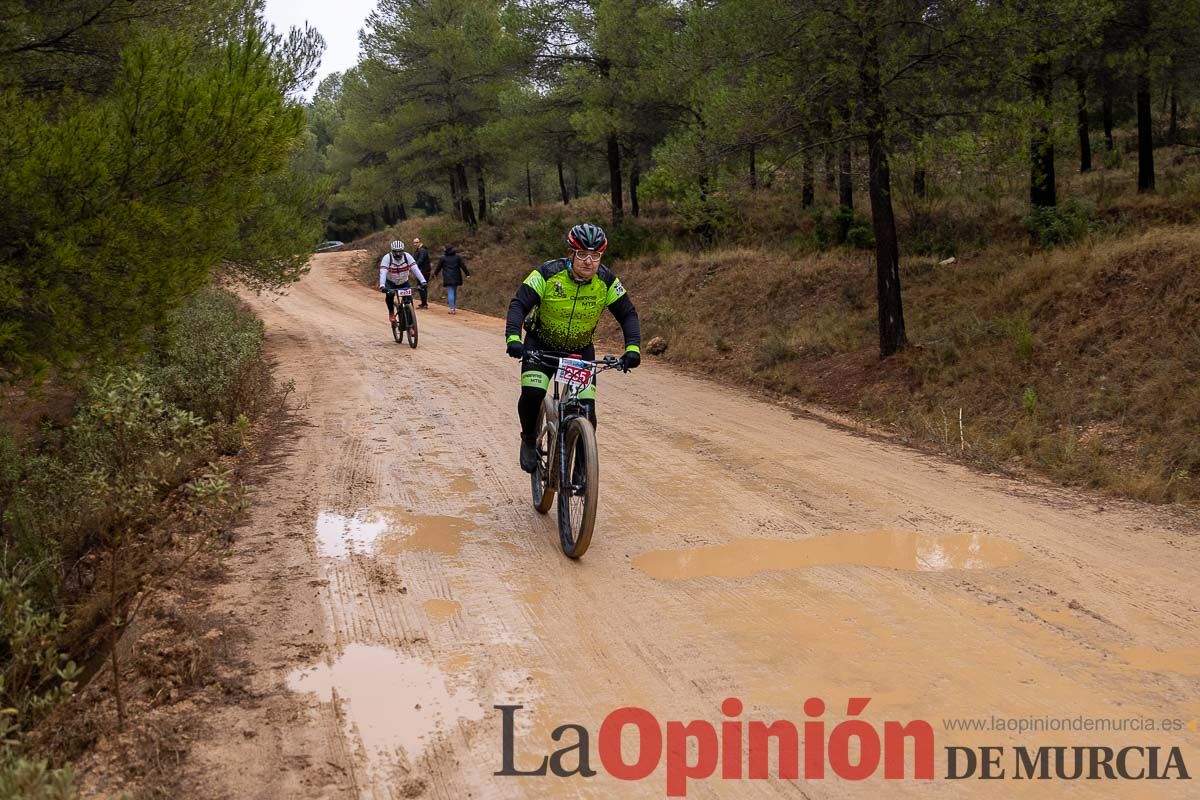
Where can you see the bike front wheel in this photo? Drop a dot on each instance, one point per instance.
(579, 487)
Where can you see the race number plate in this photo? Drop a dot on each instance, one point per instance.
(405, 292)
(573, 372)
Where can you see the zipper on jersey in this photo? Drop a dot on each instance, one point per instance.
(571, 318)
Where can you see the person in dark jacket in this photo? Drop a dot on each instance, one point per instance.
(421, 254)
(452, 267)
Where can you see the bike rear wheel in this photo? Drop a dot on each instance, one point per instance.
(397, 331)
(579, 487)
(543, 494)
(412, 326)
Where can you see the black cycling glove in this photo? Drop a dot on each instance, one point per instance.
(516, 350)
(630, 360)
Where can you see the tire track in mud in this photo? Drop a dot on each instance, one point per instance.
(442, 593)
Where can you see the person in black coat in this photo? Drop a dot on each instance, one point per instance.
(421, 254)
(453, 268)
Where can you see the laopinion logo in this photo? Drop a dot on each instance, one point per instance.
(854, 749)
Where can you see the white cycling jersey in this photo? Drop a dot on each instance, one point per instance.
(396, 271)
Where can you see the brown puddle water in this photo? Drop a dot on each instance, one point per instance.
(389, 700)
(889, 549)
(426, 533)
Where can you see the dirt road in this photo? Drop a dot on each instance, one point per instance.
(398, 584)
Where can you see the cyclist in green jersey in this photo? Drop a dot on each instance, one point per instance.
(560, 303)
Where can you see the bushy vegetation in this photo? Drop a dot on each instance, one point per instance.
(146, 151)
(125, 188)
(1069, 222)
(80, 503)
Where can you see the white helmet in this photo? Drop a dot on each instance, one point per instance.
(397, 246)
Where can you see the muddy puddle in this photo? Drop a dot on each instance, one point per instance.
(889, 549)
(339, 535)
(390, 701)
(388, 531)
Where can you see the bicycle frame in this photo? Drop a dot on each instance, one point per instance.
(560, 407)
(403, 299)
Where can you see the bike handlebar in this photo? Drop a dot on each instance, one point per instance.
(545, 356)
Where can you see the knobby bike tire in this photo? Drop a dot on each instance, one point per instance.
(412, 328)
(543, 495)
(397, 333)
(581, 461)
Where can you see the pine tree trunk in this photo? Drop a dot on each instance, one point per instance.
(468, 210)
(401, 213)
(919, 182)
(1085, 141)
(1173, 125)
(482, 191)
(1041, 145)
(635, 178)
(705, 229)
(830, 171)
(892, 336)
(806, 188)
(1145, 135)
(1145, 122)
(454, 201)
(845, 178)
(614, 180)
(562, 184)
(753, 170)
(1106, 111)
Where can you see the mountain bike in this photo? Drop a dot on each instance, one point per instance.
(568, 461)
(406, 316)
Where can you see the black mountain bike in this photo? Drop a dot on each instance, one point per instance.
(568, 461)
(406, 317)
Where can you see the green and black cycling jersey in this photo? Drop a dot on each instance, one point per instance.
(566, 312)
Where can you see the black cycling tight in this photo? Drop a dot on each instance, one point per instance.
(527, 410)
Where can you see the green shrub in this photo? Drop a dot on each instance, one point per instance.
(943, 234)
(860, 237)
(630, 240)
(210, 360)
(1068, 222)
(35, 674)
(1029, 400)
(23, 779)
(774, 350)
(442, 231)
(544, 239)
(839, 227)
(89, 493)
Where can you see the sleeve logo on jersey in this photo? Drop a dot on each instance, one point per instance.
(558, 290)
(617, 288)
